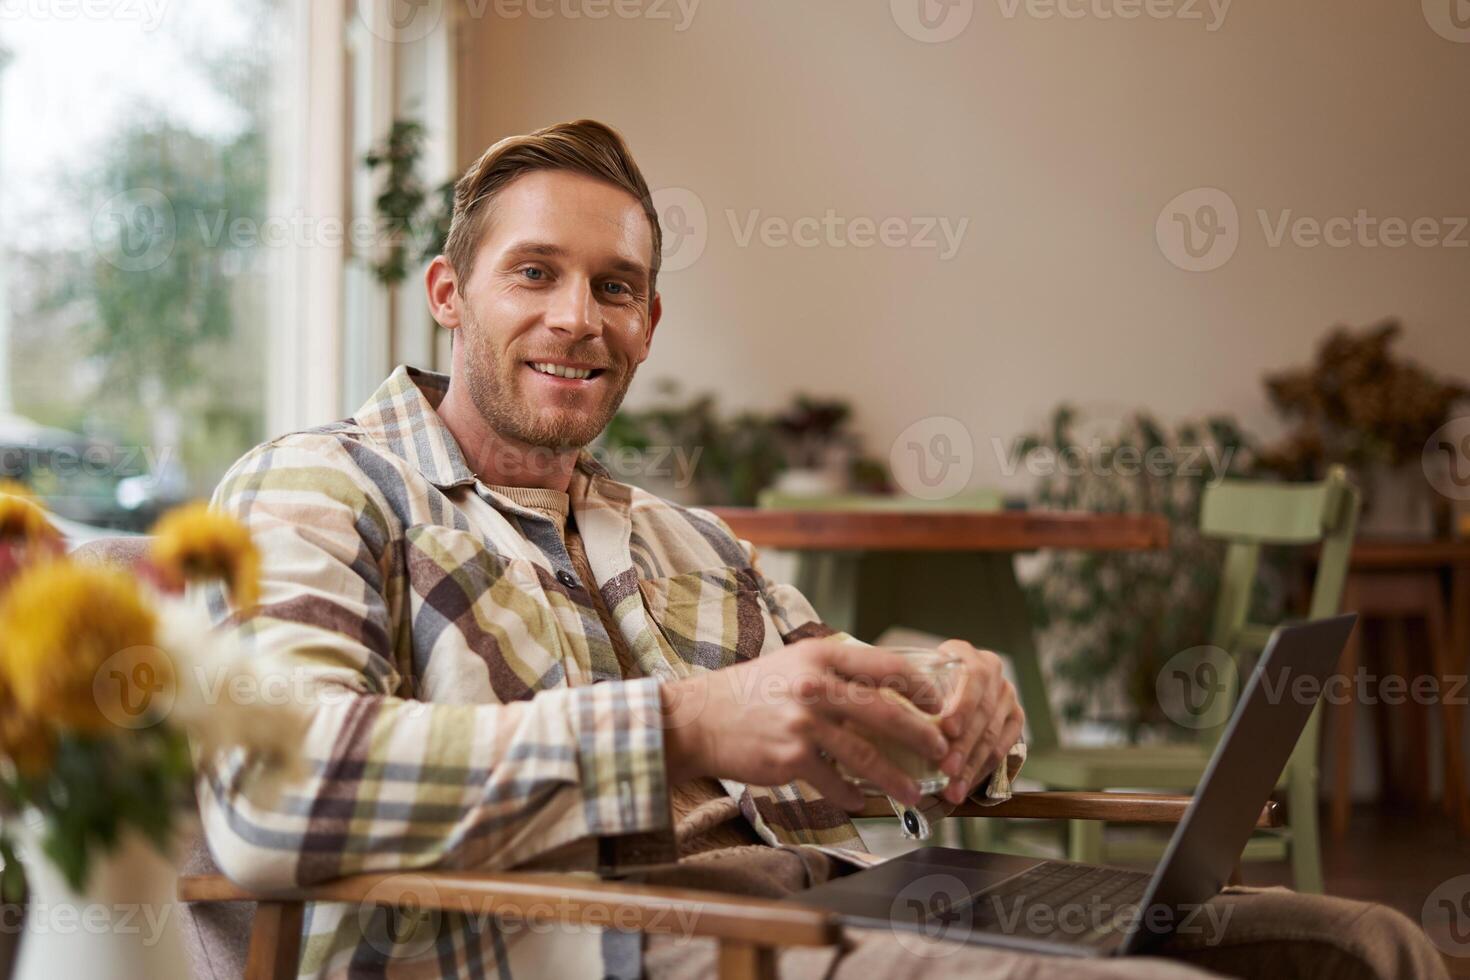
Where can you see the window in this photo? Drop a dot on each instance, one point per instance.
(141, 239)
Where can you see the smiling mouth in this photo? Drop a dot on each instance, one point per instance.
(565, 371)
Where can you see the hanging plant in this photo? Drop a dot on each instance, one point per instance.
(415, 220)
(402, 196)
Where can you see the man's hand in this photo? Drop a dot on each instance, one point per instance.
(782, 717)
(982, 721)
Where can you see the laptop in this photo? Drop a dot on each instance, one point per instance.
(1075, 909)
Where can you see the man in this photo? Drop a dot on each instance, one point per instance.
(513, 661)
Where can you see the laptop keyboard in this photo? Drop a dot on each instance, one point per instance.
(1059, 901)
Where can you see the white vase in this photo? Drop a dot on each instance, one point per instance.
(1398, 503)
(125, 925)
(809, 482)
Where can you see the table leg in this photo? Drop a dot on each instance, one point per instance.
(1418, 709)
(1449, 714)
(1457, 690)
(1389, 777)
(1399, 663)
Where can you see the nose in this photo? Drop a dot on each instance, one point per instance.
(573, 311)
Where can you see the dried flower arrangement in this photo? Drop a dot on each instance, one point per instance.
(1358, 404)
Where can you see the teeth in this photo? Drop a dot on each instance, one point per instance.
(561, 371)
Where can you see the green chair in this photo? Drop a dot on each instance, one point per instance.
(1248, 516)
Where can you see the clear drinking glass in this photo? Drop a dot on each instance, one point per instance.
(938, 679)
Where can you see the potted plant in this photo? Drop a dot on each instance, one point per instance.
(1110, 620)
(1360, 405)
(819, 450)
(674, 447)
(108, 682)
(415, 220)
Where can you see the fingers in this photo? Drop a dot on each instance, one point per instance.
(860, 758)
(988, 754)
(977, 704)
(966, 699)
(983, 678)
(882, 710)
(824, 777)
(877, 667)
(980, 761)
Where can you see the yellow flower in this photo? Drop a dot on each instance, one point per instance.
(23, 740)
(21, 519)
(195, 541)
(77, 647)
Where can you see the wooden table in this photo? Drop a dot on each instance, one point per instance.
(1393, 582)
(949, 573)
(1011, 531)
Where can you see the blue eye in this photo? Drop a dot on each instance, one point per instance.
(533, 273)
(617, 286)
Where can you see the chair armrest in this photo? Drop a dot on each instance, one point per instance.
(1112, 807)
(539, 898)
(748, 930)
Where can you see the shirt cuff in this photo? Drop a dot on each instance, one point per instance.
(996, 788)
(620, 743)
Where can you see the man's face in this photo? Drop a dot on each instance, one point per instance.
(558, 311)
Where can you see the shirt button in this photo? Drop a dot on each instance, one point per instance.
(566, 578)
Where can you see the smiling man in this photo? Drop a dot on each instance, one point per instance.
(514, 661)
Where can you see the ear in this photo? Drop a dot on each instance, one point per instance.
(655, 313)
(441, 285)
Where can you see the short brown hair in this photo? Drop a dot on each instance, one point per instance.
(585, 147)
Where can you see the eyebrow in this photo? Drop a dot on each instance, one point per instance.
(549, 250)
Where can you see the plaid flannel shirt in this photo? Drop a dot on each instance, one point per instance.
(468, 708)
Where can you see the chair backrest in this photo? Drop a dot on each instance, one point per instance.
(1248, 515)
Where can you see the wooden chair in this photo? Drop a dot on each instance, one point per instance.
(749, 931)
(1247, 515)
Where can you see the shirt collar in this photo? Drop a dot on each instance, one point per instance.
(402, 416)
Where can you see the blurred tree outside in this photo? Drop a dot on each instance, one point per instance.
(147, 333)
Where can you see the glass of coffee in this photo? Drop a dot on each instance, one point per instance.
(938, 677)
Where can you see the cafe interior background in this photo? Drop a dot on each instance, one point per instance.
(948, 257)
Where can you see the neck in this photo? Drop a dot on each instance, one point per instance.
(499, 460)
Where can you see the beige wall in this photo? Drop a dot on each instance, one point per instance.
(1060, 141)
